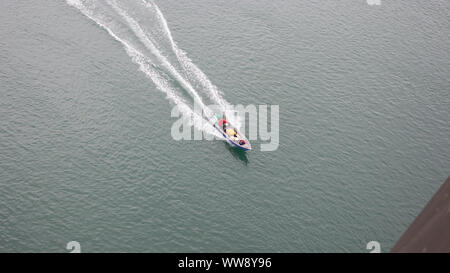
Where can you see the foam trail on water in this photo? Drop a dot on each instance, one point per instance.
(147, 66)
(195, 73)
(148, 43)
(187, 63)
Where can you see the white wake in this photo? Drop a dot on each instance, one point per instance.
(144, 33)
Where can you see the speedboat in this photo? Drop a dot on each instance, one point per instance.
(232, 135)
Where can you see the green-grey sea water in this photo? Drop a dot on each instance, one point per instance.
(86, 152)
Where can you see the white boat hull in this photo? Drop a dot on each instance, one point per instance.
(234, 141)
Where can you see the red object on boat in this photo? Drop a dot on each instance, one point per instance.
(221, 121)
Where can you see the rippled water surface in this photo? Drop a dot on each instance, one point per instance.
(86, 153)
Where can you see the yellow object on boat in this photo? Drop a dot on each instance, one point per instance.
(230, 132)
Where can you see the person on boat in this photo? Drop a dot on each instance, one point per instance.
(230, 132)
(222, 122)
